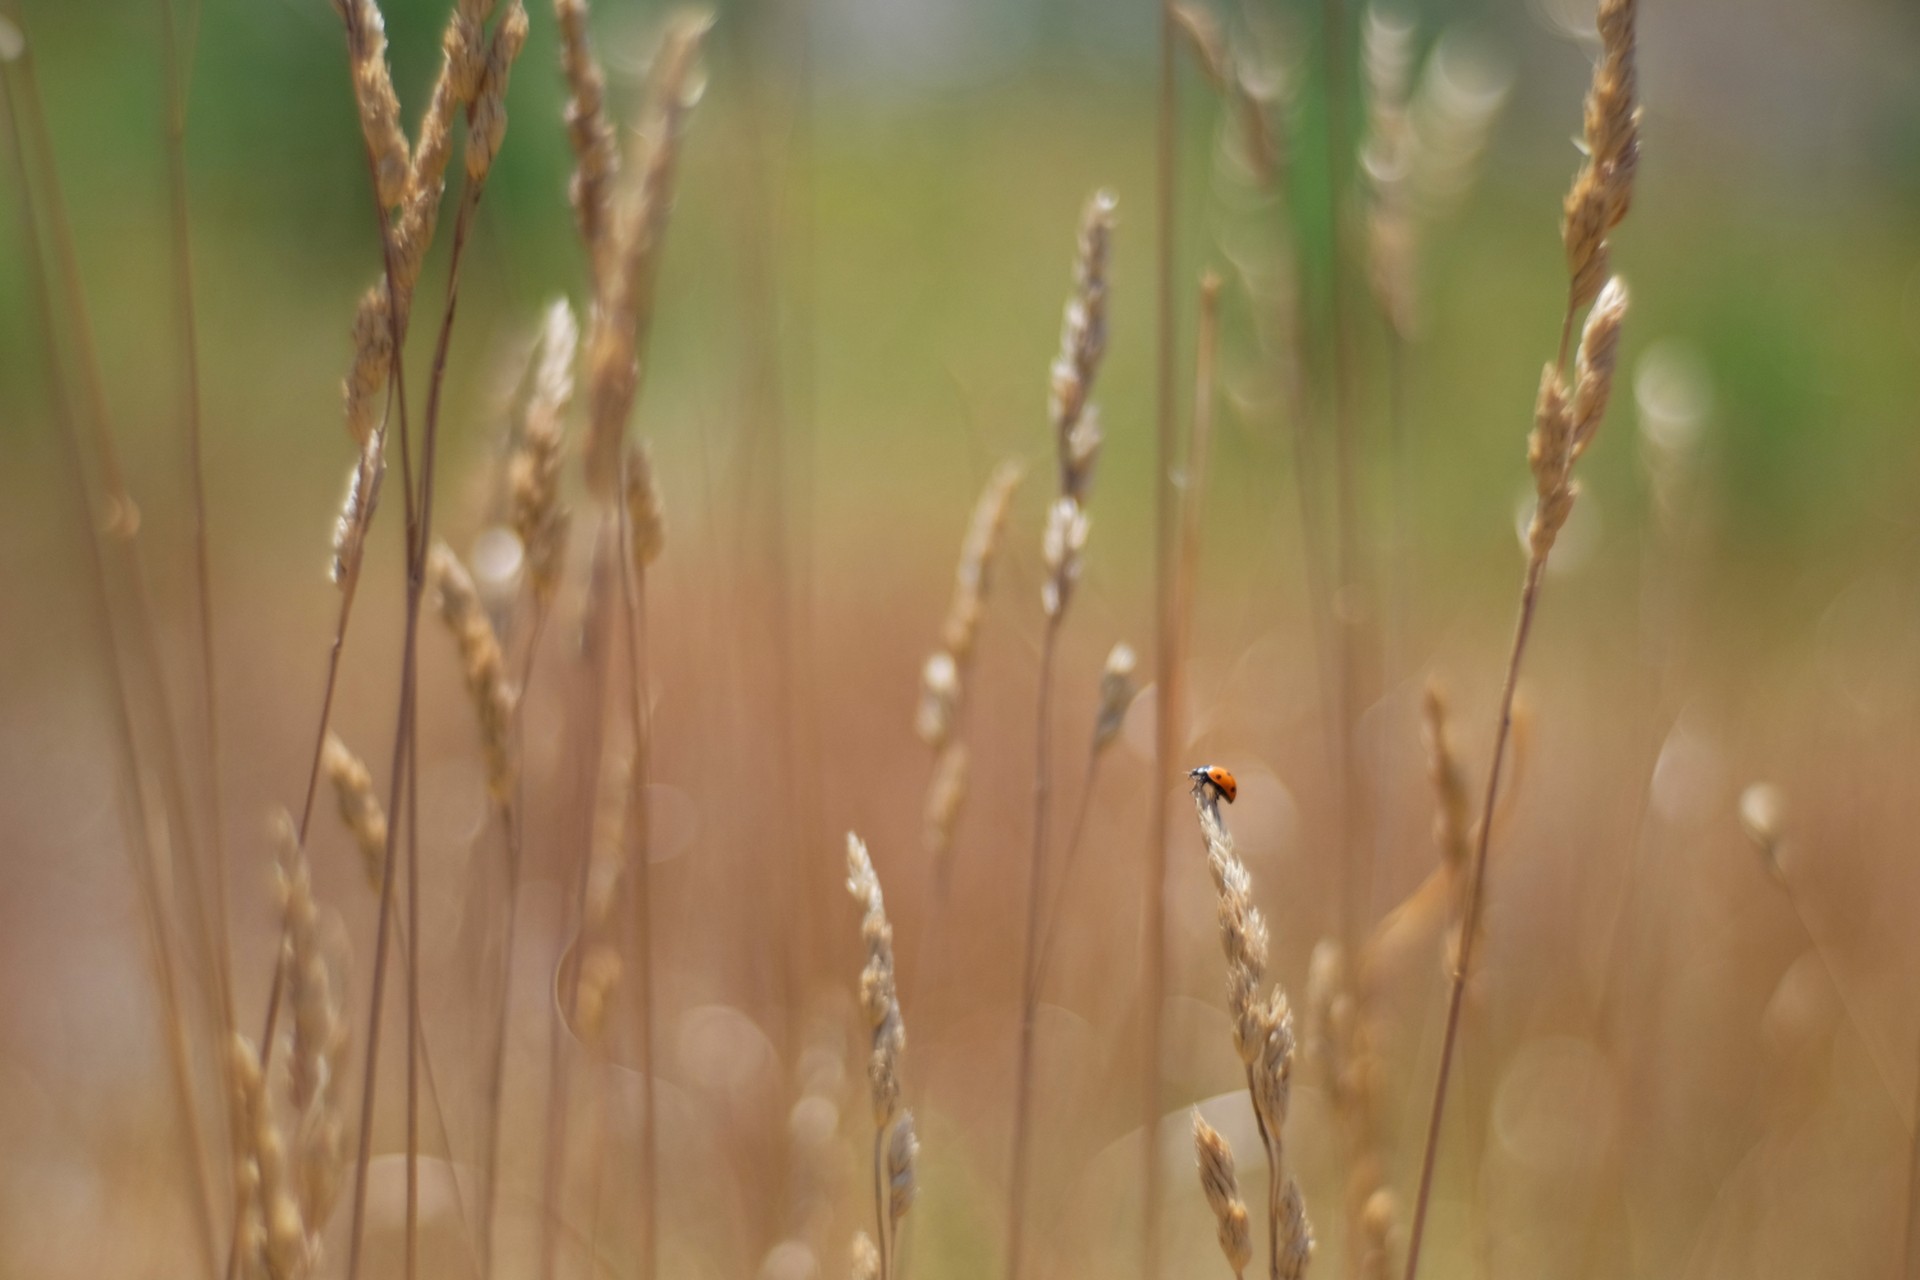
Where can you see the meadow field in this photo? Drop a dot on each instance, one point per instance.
(1033, 639)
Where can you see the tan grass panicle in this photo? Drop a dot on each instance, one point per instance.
(944, 676)
(1117, 691)
(646, 509)
(895, 1146)
(483, 665)
(360, 808)
(1262, 1033)
(317, 1055)
(538, 514)
(627, 264)
(1222, 1188)
(596, 156)
(1603, 191)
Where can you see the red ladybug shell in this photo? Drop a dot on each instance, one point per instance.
(1221, 780)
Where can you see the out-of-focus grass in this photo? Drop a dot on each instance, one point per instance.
(925, 233)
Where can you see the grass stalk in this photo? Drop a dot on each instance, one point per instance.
(638, 834)
(1167, 732)
(1076, 430)
(136, 822)
(1565, 420)
(1911, 1269)
(172, 61)
(1029, 992)
(119, 540)
(1470, 916)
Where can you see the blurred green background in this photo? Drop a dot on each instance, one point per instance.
(904, 179)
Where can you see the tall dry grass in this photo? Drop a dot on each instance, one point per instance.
(580, 1088)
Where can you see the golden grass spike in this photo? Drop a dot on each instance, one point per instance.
(879, 997)
(485, 670)
(596, 157)
(903, 1150)
(1603, 190)
(539, 517)
(317, 1056)
(463, 66)
(1262, 1034)
(1452, 825)
(379, 106)
(1083, 342)
(372, 356)
(360, 807)
(1564, 422)
(1594, 365)
(628, 263)
(1222, 1188)
(1117, 690)
(272, 1234)
(973, 575)
(895, 1146)
(945, 794)
(487, 117)
(646, 510)
(356, 509)
(1062, 547)
(1550, 457)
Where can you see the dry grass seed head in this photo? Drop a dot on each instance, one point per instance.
(540, 519)
(973, 575)
(1594, 365)
(1603, 191)
(1083, 342)
(628, 266)
(939, 699)
(487, 118)
(600, 970)
(1273, 1072)
(1564, 425)
(866, 1258)
(1452, 825)
(944, 796)
(1550, 457)
(1329, 1017)
(607, 849)
(373, 94)
(271, 1222)
(356, 510)
(484, 665)
(1248, 90)
(1763, 818)
(360, 807)
(463, 65)
(1117, 691)
(1222, 1188)
(1263, 1026)
(1243, 932)
(879, 995)
(1377, 1217)
(1387, 160)
(1296, 1233)
(646, 510)
(903, 1150)
(317, 1056)
(372, 358)
(596, 157)
(1063, 547)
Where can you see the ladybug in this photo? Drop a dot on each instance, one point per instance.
(1216, 777)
